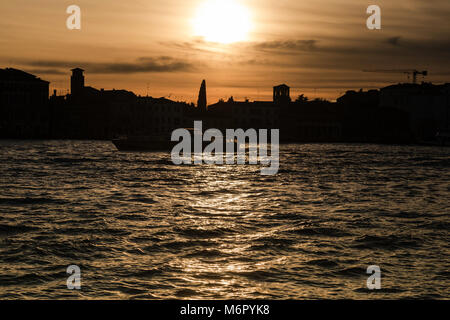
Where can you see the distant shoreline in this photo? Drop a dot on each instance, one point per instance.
(354, 142)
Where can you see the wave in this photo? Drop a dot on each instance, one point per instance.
(29, 201)
(385, 242)
(258, 275)
(203, 233)
(206, 254)
(320, 231)
(187, 244)
(15, 229)
(322, 263)
(352, 272)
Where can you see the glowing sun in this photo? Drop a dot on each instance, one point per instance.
(223, 21)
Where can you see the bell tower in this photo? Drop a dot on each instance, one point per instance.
(281, 94)
(76, 81)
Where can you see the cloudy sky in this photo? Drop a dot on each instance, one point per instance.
(166, 47)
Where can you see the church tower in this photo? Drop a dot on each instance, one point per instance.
(201, 102)
(76, 81)
(281, 94)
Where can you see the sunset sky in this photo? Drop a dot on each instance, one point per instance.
(317, 47)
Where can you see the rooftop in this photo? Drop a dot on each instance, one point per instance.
(423, 88)
(15, 74)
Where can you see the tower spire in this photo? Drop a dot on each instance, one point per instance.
(201, 102)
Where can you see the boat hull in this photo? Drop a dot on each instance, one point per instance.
(142, 145)
(155, 145)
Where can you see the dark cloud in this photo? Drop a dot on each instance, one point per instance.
(291, 57)
(346, 53)
(46, 71)
(199, 45)
(295, 45)
(394, 40)
(357, 47)
(196, 45)
(141, 65)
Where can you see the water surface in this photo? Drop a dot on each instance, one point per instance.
(142, 228)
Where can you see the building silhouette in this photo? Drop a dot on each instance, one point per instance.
(23, 104)
(427, 107)
(298, 122)
(90, 113)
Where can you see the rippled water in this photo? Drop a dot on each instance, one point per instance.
(140, 227)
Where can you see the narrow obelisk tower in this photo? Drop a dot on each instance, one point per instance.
(201, 103)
